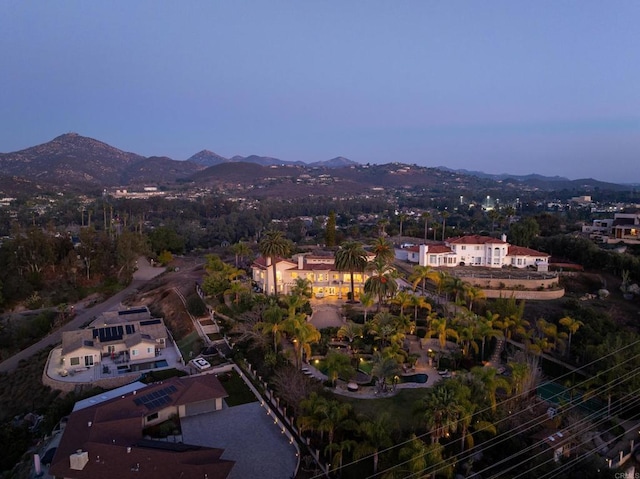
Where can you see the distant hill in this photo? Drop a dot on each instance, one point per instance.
(540, 181)
(75, 161)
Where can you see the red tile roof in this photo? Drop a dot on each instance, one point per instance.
(475, 239)
(522, 251)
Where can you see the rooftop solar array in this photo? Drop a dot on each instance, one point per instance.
(126, 312)
(149, 322)
(156, 399)
(113, 333)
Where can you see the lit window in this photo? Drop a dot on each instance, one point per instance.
(75, 361)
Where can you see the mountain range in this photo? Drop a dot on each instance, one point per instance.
(74, 162)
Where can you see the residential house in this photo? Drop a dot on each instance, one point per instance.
(623, 227)
(106, 440)
(319, 269)
(130, 341)
(476, 250)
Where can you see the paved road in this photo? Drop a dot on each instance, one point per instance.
(144, 273)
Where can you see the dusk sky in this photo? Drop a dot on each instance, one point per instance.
(548, 87)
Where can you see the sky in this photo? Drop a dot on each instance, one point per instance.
(548, 87)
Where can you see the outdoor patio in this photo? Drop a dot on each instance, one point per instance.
(110, 367)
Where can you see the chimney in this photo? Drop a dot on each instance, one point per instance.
(129, 450)
(89, 424)
(504, 237)
(78, 460)
(301, 262)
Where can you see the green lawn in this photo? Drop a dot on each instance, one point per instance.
(190, 344)
(239, 392)
(400, 407)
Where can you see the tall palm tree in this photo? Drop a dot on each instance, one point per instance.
(383, 248)
(338, 450)
(444, 215)
(272, 323)
(457, 287)
(383, 327)
(383, 282)
(302, 334)
(240, 250)
(401, 217)
(366, 300)
(375, 435)
(350, 331)
(273, 244)
(418, 302)
(351, 257)
(421, 274)
(440, 411)
(485, 329)
(425, 216)
(572, 326)
(473, 294)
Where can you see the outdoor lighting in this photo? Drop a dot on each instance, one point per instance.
(317, 361)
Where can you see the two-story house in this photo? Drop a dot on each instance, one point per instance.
(319, 269)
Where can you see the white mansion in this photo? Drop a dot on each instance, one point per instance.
(319, 269)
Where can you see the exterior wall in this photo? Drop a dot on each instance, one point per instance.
(514, 283)
(142, 351)
(163, 415)
(79, 356)
(521, 294)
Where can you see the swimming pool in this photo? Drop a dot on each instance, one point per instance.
(414, 378)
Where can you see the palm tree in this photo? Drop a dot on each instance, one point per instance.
(439, 327)
(440, 411)
(467, 336)
(366, 300)
(383, 326)
(350, 331)
(384, 368)
(421, 274)
(272, 323)
(382, 283)
(425, 216)
(572, 326)
(492, 382)
(402, 299)
(302, 335)
(419, 456)
(457, 287)
(419, 302)
(401, 217)
(473, 294)
(351, 257)
(484, 330)
(302, 288)
(338, 365)
(444, 215)
(346, 445)
(383, 248)
(272, 245)
(240, 250)
(375, 435)
(331, 416)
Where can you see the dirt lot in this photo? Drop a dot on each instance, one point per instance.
(577, 287)
(160, 295)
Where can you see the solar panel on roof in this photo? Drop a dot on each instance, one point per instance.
(137, 401)
(149, 322)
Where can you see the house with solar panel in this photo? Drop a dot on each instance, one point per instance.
(133, 336)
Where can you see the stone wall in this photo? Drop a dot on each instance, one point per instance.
(547, 294)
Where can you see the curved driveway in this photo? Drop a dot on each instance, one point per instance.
(144, 273)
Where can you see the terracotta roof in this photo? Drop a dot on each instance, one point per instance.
(414, 249)
(475, 239)
(522, 251)
(107, 430)
(261, 262)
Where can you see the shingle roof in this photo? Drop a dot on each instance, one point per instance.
(522, 251)
(111, 434)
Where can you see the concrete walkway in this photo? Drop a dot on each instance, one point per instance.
(248, 436)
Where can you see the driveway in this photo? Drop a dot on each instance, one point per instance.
(248, 436)
(326, 314)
